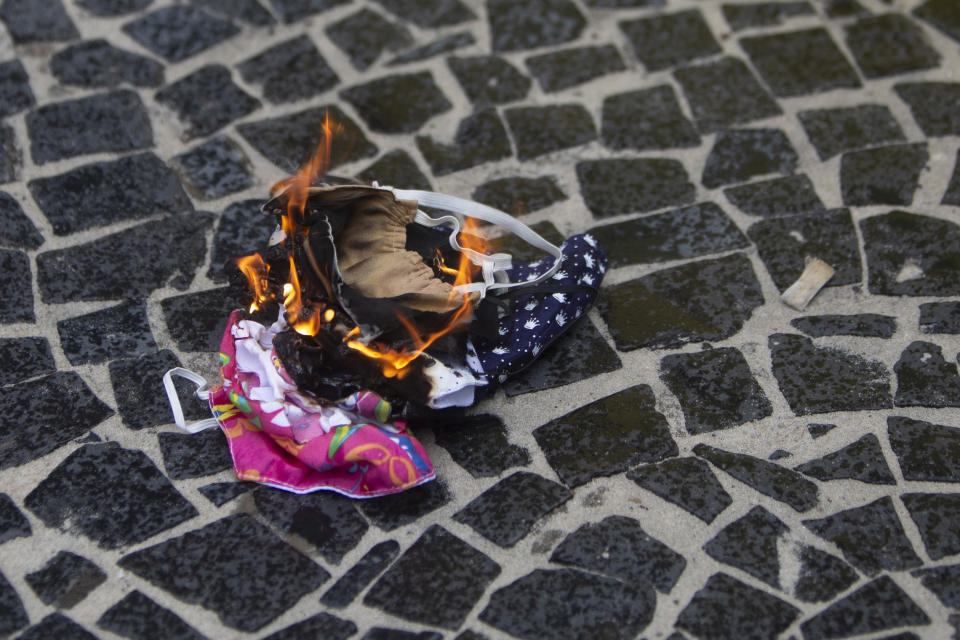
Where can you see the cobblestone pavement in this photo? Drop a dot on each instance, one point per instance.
(696, 459)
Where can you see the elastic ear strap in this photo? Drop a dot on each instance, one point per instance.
(202, 393)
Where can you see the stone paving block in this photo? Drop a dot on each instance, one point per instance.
(862, 460)
(321, 625)
(15, 616)
(822, 576)
(13, 524)
(519, 195)
(631, 185)
(249, 11)
(120, 331)
(724, 93)
(670, 39)
(646, 119)
(925, 378)
(932, 105)
(196, 320)
(800, 62)
(97, 63)
(385, 103)
(741, 154)
(870, 325)
(11, 158)
(396, 168)
(479, 444)
(289, 71)
(109, 8)
(179, 32)
(750, 544)
(766, 14)
(569, 67)
(480, 138)
(540, 130)
(925, 451)
(446, 44)
(885, 175)
(726, 607)
(22, 358)
(705, 300)
(365, 35)
(392, 512)
(944, 582)
(189, 455)
(686, 482)
(16, 301)
(292, 11)
(216, 168)
(606, 437)
(15, 93)
(527, 24)
(207, 100)
(57, 625)
(489, 79)
(65, 580)
(940, 317)
(430, 13)
(220, 493)
(242, 230)
(840, 129)
(876, 606)
(361, 574)
(31, 21)
(942, 14)
(138, 617)
(937, 516)
(115, 121)
(889, 44)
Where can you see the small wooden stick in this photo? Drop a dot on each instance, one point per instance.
(815, 275)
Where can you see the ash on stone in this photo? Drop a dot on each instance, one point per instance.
(56, 625)
(606, 437)
(250, 11)
(707, 300)
(619, 548)
(889, 44)
(870, 537)
(22, 358)
(97, 63)
(724, 93)
(480, 137)
(394, 511)
(579, 354)
(437, 581)
(54, 410)
(944, 582)
(16, 300)
(937, 516)
(102, 193)
(322, 625)
(646, 119)
(728, 608)
(670, 39)
(528, 24)
(242, 230)
(785, 243)
(236, 545)
(942, 14)
(292, 11)
(396, 168)
(179, 32)
(386, 107)
(750, 544)
(544, 129)
(768, 478)
(822, 576)
(869, 325)
(885, 175)
(115, 122)
(538, 607)
(220, 493)
(519, 195)
(365, 35)
(290, 71)
(940, 317)
(110, 8)
(767, 14)
(926, 451)
(686, 482)
(136, 386)
(925, 378)
(567, 68)
(15, 93)
(833, 131)
(861, 460)
(114, 496)
(138, 617)
(13, 524)
(14, 615)
(716, 389)
(439, 46)
(429, 13)
(216, 168)
(479, 444)
(65, 580)
(785, 196)
(632, 185)
(351, 583)
(876, 606)
(207, 100)
(10, 156)
(506, 512)
(187, 455)
(328, 521)
(800, 62)
(898, 240)
(489, 79)
(30, 21)
(823, 379)
(741, 154)
(197, 320)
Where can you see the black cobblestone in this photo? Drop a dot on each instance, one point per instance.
(396, 168)
(290, 71)
(940, 317)
(527, 24)
(897, 240)
(480, 138)
(65, 580)
(15, 93)
(97, 63)
(822, 576)
(670, 39)
(220, 493)
(519, 195)
(216, 168)
(489, 79)
(13, 524)
(242, 230)
(925, 378)
(631, 185)
(291, 11)
(249, 11)
(179, 32)
(321, 625)
(16, 299)
(114, 332)
(876, 606)
(840, 129)
(109, 8)
(188, 455)
(741, 154)
(889, 44)
(540, 130)
(30, 21)
(800, 62)
(766, 14)
(937, 516)
(430, 13)
(386, 106)
(11, 157)
(57, 625)
(437, 47)
(869, 325)
(925, 451)
(931, 104)
(365, 35)
(646, 119)
(16, 229)
(567, 68)
(393, 512)
(724, 93)
(861, 460)
(776, 197)
(750, 544)
(479, 444)
(885, 175)
(22, 358)
(944, 582)
(207, 100)
(728, 608)
(686, 482)
(15, 616)
(361, 574)
(138, 617)
(196, 320)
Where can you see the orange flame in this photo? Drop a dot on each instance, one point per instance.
(255, 270)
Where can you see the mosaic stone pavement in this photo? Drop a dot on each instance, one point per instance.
(696, 459)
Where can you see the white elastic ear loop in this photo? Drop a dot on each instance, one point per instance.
(202, 393)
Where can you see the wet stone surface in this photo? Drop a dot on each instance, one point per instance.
(97, 63)
(115, 121)
(567, 68)
(207, 100)
(724, 93)
(58, 408)
(822, 576)
(715, 389)
(800, 62)
(179, 32)
(646, 119)
(13, 524)
(65, 580)
(536, 607)
(391, 512)
(196, 320)
(216, 168)
(686, 482)
(480, 137)
(911, 254)
(886, 175)
(489, 79)
(361, 574)
(101, 193)
(138, 617)
(889, 44)
(871, 537)
(924, 450)
(437, 581)
(606, 437)
(728, 608)
(365, 35)
(187, 455)
(114, 496)
(479, 444)
(937, 517)
(16, 229)
(670, 39)
(22, 358)
(870, 325)
(750, 544)
(706, 300)
(861, 460)
(940, 317)
(527, 24)
(629, 185)
(506, 512)
(30, 21)
(289, 71)
(925, 378)
(834, 131)
(220, 493)
(875, 606)
(540, 130)
(235, 545)
(15, 93)
(385, 106)
(785, 243)
(741, 154)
